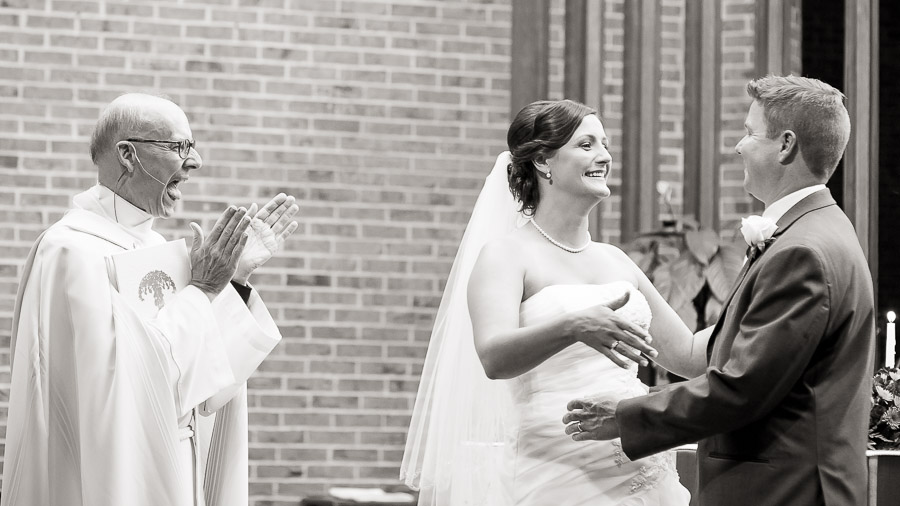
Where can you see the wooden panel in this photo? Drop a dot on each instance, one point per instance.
(575, 54)
(776, 22)
(861, 78)
(775, 28)
(640, 123)
(702, 124)
(778, 25)
(761, 38)
(792, 39)
(530, 53)
(883, 486)
(591, 49)
(594, 56)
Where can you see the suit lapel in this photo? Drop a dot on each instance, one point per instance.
(810, 203)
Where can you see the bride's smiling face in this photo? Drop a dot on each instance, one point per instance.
(582, 165)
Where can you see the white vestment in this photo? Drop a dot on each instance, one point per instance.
(100, 399)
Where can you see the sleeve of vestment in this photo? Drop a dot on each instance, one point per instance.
(248, 333)
(777, 336)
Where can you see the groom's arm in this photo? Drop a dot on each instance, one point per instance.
(776, 337)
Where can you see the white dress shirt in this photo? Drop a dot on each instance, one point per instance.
(781, 206)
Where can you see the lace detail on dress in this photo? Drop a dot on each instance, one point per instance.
(621, 458)
(637, 312)
(657, 467)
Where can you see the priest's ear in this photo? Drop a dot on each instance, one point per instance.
(127, 155)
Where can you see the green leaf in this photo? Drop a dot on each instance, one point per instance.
(688, 314)
(662, 280)
(724, 269)
(644, 260)
(689, 223)
(702, 243)
(713, 310)
(687, 280)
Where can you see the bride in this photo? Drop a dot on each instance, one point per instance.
(529, 304)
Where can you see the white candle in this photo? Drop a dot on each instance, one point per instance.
(891, 341)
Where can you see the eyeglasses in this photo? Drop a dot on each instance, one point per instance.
(184, 147)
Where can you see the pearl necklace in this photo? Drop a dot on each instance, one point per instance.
(559, 244)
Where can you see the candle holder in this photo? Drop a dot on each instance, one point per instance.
(890, 342)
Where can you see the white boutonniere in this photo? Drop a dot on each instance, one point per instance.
(757, 232)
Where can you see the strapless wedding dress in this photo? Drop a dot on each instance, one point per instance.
(546, 467)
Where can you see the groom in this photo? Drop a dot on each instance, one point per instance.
(781, 412)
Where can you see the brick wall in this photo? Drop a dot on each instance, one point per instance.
(671, 102)
(382, 117)
(738, 67)
(610, 110)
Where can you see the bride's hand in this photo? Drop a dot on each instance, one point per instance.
(612, 335)
(592, 418)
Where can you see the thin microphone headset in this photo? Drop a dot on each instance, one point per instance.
(124, 172)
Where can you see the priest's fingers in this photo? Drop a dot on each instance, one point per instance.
(285, 216)
(292, 226)
(270, 207)
(198, 238)
(238, 250)
(220, 224)
(237, 234)
(228, 232)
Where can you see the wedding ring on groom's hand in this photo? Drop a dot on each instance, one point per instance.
(578, 425)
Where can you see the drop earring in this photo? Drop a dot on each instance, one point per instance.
(547, 175)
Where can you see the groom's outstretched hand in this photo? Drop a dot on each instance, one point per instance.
(592, 418)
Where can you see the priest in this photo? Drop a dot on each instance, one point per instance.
(106, 405)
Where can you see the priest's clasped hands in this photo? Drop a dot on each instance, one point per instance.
(241, 241)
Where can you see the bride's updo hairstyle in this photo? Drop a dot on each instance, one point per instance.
(536, 132)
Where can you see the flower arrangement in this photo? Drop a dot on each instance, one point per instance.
(884, 419)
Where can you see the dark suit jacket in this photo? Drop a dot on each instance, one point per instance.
(785, 400)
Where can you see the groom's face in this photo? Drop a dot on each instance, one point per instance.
(759, 153)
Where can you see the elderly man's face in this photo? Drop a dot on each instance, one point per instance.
(156, 188)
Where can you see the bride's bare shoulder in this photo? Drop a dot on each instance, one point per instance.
(508, 249)
(510, 242)
(620, 260)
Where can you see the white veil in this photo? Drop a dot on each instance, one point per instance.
(454, 448)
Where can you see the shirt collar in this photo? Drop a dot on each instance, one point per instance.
(101, 200)
(781, 206)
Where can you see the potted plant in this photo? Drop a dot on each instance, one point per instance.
(692, 267)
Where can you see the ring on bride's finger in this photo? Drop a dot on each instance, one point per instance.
(578, 425)
(613, 347)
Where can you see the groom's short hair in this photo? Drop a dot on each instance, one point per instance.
(810, 108)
